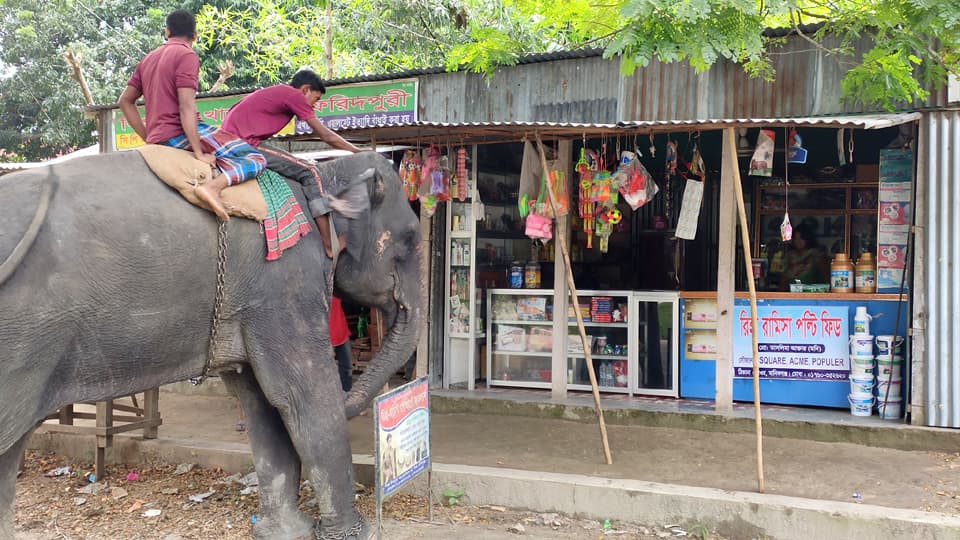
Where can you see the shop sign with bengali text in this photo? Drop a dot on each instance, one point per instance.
(366, 105)
(351, 106)
(401, 421)
(807, 343)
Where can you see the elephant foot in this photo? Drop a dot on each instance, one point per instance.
(295, 527)
(361, 530)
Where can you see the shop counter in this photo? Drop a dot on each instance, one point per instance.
(803, 340)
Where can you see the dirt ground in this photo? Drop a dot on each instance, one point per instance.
(833, 471)
(56, 508)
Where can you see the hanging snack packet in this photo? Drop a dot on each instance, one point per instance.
(762, 162)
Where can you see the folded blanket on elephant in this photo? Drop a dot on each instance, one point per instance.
(269, 200)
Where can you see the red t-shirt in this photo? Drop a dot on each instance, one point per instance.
(265, 112)
(339, 333)
(170, 66)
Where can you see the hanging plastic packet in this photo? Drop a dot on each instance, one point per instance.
(786, 229)
(796, 153)
(670, 160)
(462, 174)
(762, 162)
(410, 173)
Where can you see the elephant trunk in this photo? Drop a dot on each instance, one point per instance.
(406, 313)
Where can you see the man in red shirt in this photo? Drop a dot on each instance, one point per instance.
(265, 112)
(340, 339)
(167, 80)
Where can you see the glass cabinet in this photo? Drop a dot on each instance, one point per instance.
(632, 338)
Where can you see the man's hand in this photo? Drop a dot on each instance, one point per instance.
(209, 159)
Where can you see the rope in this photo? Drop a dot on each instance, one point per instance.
(217, 301)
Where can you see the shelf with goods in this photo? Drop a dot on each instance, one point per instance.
(520, 342)
(463, 330)
(842, 215)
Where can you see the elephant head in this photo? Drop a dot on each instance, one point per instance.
(380, 266)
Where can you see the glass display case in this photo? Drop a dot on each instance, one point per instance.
(632, 338)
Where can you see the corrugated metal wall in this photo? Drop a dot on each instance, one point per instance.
(939, 197)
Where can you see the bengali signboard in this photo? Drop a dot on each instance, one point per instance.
(342, 107)
(795, 342)
(401, 421)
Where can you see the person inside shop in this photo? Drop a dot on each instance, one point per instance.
(806, 260)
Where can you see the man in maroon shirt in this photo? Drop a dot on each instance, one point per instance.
(265, 112)
(167, 80)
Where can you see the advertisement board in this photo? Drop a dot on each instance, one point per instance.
(794, 342)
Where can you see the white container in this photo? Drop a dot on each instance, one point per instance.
(889, 368)
(861, 404)
(885, 346)
(862, 366)
(889, 410)
(861, 322)
(861, 345)
(888, 390)
(862, 384)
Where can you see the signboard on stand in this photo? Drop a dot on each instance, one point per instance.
(795, 342)
(401, 420)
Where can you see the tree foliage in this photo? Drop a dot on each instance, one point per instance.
(916, 44)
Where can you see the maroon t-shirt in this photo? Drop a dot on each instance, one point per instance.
(170, 66)
(265, 112)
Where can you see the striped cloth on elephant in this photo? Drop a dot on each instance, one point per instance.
(285, 224)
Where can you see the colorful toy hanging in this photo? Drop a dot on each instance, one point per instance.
(605, 223)
(410, 173)
(586, 207)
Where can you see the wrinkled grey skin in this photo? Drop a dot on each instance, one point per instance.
(116, 296)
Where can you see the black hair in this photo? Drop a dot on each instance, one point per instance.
(305, 76)
(806, 232)
(181, 23)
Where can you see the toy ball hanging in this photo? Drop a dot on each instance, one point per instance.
(613, 216)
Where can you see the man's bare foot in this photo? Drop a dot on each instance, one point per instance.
(206, 194)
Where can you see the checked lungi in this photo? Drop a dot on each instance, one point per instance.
(237, 160)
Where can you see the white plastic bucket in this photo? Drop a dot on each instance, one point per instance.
(862, 366)
(889, 410)
(861, 345)
(861, 384)
(861, 404)
(886, 347)
(889, 368)
(883, 386)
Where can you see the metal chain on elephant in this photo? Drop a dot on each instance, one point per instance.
(352, 532)
(217, 301)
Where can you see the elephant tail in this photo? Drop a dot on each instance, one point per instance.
(8, 266)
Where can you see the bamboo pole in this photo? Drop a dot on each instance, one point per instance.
(747, 259)
(588, 356)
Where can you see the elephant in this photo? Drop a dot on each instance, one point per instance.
(108, 281)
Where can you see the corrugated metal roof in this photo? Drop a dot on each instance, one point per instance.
(478, 132)
(859, 121)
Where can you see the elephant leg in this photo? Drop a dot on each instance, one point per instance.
(9, 465)
(276, 462)
(310, 401)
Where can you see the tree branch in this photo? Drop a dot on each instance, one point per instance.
(73, 60)
(226, 71)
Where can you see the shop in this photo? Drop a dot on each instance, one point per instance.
(650, 277)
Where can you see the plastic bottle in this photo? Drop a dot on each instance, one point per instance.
(841, 274)
(516, 275)
(531, 275)
(861, 321)
(363, 322)
(866, 274)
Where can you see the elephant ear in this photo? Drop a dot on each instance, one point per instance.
(351, 213)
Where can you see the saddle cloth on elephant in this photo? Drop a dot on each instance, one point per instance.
(268, 201)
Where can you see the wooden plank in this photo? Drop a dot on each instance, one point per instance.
(561, 233)
(151, 412)
(726, 278)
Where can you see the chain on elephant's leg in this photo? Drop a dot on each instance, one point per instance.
(276, 462)
(9, 465)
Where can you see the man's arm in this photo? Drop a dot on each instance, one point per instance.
(128, 106)
(329, 136)
(188, 120)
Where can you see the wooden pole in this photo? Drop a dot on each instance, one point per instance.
(748, 260)
(588, 356)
